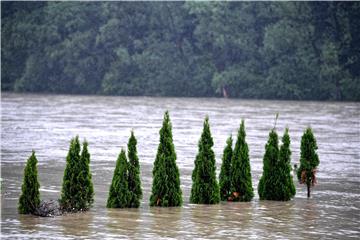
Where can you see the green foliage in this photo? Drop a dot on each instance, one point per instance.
(166, 190)
(282, 50)
(85, 178)
(309, 160)
(286, 188)
(205, 188)
(30, 196)
(225, 172)
(119, 194)
(268, 181)
(276, 183)
(241, 183)
(134, 182)
(77, 192)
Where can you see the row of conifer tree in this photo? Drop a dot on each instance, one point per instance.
(235, 181)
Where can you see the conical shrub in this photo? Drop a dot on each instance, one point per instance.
(286, 188)
(225, 172)
(166, 190)
(134, 182)
(269, 178)
(119, 194)
(77, 189)
(205, 188)
(309, 160)
(241, 183)
(85, 179)
(30, 196)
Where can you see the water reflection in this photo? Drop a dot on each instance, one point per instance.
(123, 222)
(30, 223)
(205, 219)
(276, 219)
(165, 222)
(76, 224)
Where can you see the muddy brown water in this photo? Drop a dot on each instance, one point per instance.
(46, 123)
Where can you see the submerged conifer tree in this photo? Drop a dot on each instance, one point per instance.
(241, 183)
(205, 188)
(119, 194)
(30, 196)
(77, 189)
(286, 188)
(268, 180)
(70, 187)
(166, 190)
(225, 172)
(85, 179)
(134, 173)
(309, 160)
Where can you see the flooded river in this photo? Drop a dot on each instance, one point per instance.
(46, 123)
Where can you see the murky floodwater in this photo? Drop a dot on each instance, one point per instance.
(46, 123)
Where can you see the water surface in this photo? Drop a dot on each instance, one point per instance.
(46, 123)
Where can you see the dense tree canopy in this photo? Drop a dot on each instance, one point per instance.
(273, 50)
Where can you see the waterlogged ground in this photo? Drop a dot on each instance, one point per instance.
(46, 123)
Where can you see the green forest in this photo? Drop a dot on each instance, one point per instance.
(263, 50)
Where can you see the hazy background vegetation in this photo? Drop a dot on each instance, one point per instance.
(272, 50)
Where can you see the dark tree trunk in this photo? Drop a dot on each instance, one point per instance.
(308, 190)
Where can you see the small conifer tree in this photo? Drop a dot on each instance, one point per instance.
(30, 196)
(77, 189)
(269, 178)
(286, 188)
(134, 173)
(205, 188)
(166, 190)
(225, 172)
(119, 194)
(309, 160)
(85, 179)
(70, 187)
(241, 183)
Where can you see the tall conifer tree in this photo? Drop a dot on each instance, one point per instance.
(77, 189)
(30, 196)
(134, 173)
(70, 187)
(166, 190)
(309, 160)
(85, 179)
(286, 188)
(241, 183)
(205, 188)
(269, 178)
(225, 172)
(119, 194)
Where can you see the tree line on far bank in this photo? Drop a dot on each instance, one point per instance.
(235, 181)
(271, 50)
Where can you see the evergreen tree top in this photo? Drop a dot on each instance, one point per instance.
(122, 156)
(166, 130)
(85, 152)
(206, 138)
(241, 132)
(308, 156)
(229, 141)
(132, 152)
(272, 147)
(74, 151)
(286, 138)
(132, 139)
